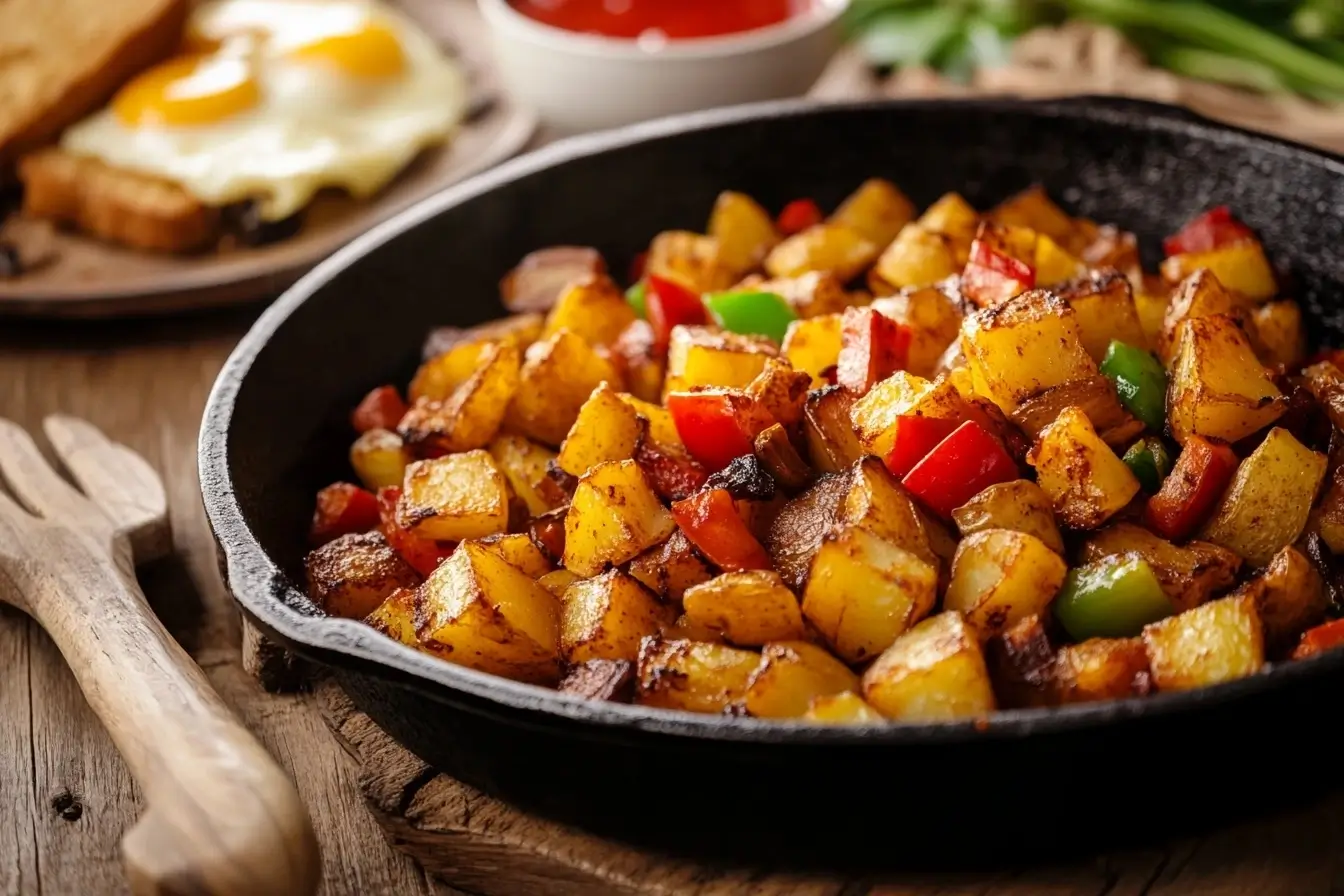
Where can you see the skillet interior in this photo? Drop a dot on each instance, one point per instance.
(275, 432)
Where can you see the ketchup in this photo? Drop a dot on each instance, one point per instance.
(675, 19)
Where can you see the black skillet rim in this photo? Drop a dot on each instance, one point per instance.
(256, 581)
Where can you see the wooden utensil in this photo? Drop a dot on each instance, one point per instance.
(223, 819)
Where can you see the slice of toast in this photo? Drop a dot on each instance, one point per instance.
(62, 59)
(115, 205)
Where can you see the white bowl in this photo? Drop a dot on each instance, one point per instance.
(584, 82)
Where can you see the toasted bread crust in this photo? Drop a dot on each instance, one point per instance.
(115, 205)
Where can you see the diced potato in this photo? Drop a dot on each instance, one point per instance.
(662, 429)
(1199, 295)
(608, 616)
(877, 502)
(1024, 346)
(1033, 208)
(1278, 327)
(831, 442)
(670, 568)
(1000, 576)
(518, 329)
(781, 390)
(558, 581)
(814, 345)
(862, 591)
(440, 376)
(935, 671)
(519, 551)
(470, 417)
(934, 321)
(798, 529)
(379, 458)
(1289, 596)
(613, 516)
(1102, 669)
(750, 608)
(1190, 574)
(481, 611)
(523, 463)
(1103, 304)
(810, 295)
(593, 309)
(454, 497)
(350, 576)
(691, 259)
(643, 359)
(1019, 505)
(395, 617)
(1267, 505)
(877, 211)
(1021, 663)
(791, 675)
(1095, 397)
(1086, 482)
(559, 373)
(536, 282)
(917, 257)
(745, 231)
(1152, 311)
(1242, 267)
(1219, 641)
(607, 429)
(612, 680)
(684, 629)
(952, 216)
(1054, 264)
(827, 247)
(845, 708)
(875, 415)
(693, 676)
(704, 356)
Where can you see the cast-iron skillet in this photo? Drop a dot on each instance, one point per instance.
(1028, 780)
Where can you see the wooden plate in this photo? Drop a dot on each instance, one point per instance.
(87, 278)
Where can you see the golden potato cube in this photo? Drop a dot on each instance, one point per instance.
(1103, 304)
(862, 591)
(877, 211)
(691, 259)
(1021, 663)
(693, 676)
(828, 247)
(1190, 574)
(1096, 397)
(606, 618)
(642, 360)
(1000, 576)
(1054, 265)
(1241, 267)
(1101, 669)
(1219, 641)
(557, 581)
(593, 309)
(935, 671)
(454, 497)
(876, 501)
(952, 216)
(876, 415)
(813, 345)
(379, 458)
(1290, 597)
(613, 516)
(1199, 295)
(781, 391)
(519, 551)
(469, 418)
(607, 429)
(350, 576)
(559, 373)
(1034, 209)
(934, 321)
(440, 376)
(1267, 505)
(1279, 329)
(1152, 311)
(395, 617)
(791, 675)
(810, 295)
(916, 258)
(845, 708)
(670, 568)
(745, 231)
(832, 445)
(1024, 346)
(479, 610)
(1019, 505)
(704, 356)
(662, 429)
(749, 608)
(523, 463)
(683, 629)
(1086, 482)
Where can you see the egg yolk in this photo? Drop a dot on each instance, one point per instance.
(370, 51)
(189, 90)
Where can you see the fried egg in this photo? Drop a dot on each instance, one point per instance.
(273, 100)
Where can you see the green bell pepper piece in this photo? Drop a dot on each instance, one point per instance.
(1150, 462)
(1140, 382)
(751, 313)
(635, 296)
(1114, 597)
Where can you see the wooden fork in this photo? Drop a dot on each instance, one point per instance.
(223, 819)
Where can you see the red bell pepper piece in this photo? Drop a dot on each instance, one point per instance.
(710, 520)
(717, 426)
(991, 276)
(1212, 230)
(342, 509)
(799, 215)
(915, 437)
(637, 265)
(423, 554)
(1320, 639)
(959, 467)
(668, 304)
(872, 348)
(382, 408)
(1190, 491)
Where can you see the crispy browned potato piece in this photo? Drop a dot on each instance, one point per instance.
(781, 390)
(933, 672)
(1097, 399)
(1019, 505)
(796, 534)
(692, 259)
(877, 211)
(608, 616)
(813, 344)
(1086, 482)
(395, 617)
(558, 375)
(537, 281)
(1190, 573)
(1104, 304)
(791, 675)
(876, 501)
(607, 429)
(1000, 576)
(611, 680)
(1216, 642)
(379, 458)
(845, 708)
(705, 356)
(693, 676)
(828, 247)
(454, 497)
(745, 231)
(1218, 388)
(1290, 597)
(592, 308)
(1021, 663)
(523, 463)
(1279, 333)
(557, 581)
(470, 417)
(831, 441)
(750, 608)
(1198, 295)
(520, 551)
(1101, 669)
(520, 329)
(637, 351)
(350, 576)
(668, 569)
(614, 516)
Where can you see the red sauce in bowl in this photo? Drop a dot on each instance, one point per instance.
(673, 19)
